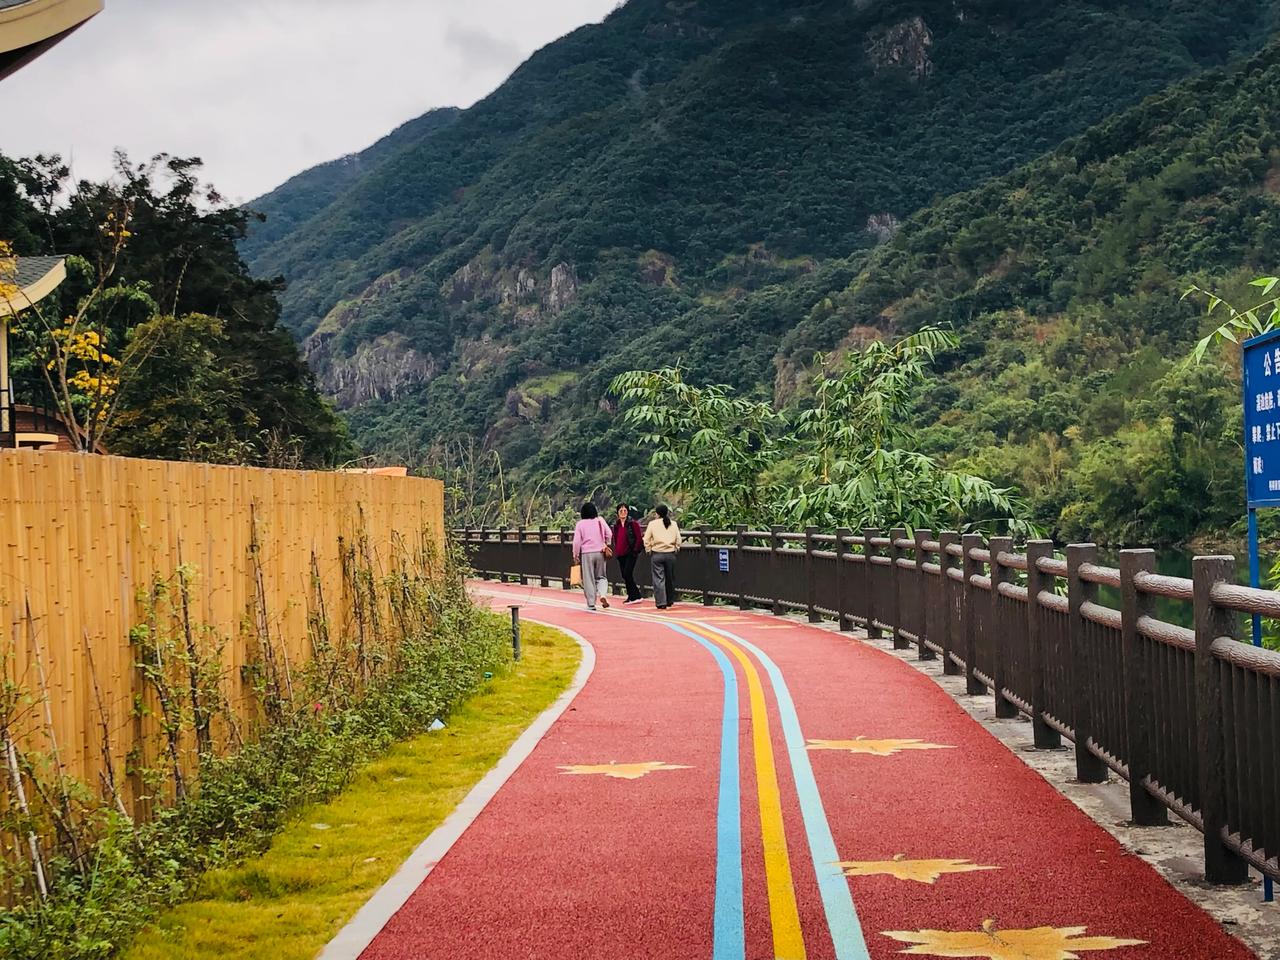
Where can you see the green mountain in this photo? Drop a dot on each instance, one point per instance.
(1063, 280)
(292, 204)
(733, 185)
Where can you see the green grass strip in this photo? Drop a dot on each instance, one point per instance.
(289, 902)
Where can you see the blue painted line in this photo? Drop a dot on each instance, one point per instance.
(837, 900)
(729, 941)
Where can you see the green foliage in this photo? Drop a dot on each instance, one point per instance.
(1069, 382)
(844, 457)
(1240, 324)
(712, 446)
(223, 381)
(332, 725)
(710, 172)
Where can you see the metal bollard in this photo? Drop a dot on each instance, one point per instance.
(515, 631)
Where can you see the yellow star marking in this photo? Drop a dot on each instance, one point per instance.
(921, 871)
(621, 771)
(1041, 943)
(878, 748)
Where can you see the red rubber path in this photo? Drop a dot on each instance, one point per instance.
(591, 866)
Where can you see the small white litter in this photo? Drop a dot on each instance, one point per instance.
(436, 724)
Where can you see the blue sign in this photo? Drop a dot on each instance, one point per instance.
(724, 561)
(1261, 365)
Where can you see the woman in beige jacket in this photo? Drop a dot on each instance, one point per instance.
(662, 542)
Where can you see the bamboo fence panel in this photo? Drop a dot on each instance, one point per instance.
(82, 537)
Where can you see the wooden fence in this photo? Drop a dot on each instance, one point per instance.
(1190, 717)
(82, 538)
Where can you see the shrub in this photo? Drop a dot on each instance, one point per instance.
(113, 872)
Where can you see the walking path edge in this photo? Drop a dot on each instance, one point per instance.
(368, 922)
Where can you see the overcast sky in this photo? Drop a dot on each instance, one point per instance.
(262, 89)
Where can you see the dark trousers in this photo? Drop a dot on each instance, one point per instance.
(664, 578)
(627, 564)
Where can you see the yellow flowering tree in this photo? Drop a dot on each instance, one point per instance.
(85, 372)
(9, 289)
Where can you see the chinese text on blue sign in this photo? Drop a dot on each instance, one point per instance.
(1261, 357)
(724, 561)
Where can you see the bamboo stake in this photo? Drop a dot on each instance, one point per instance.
(63, 806)
(201, 718)
(33, 842)
(108, 775)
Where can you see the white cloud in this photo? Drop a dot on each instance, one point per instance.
(261, 89)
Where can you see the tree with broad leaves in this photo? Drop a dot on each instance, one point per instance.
(844, 458)
(1240, 324)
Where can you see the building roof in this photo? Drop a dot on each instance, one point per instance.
(30, 27)
(36, 278)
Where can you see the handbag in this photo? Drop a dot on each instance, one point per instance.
(575, 575)
(608, 547)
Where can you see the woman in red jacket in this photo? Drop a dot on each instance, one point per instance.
(628, 545)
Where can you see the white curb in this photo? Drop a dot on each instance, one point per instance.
(360, 931)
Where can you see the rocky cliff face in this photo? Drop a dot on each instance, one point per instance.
(904, 45)
(485, 280)
(390, 365)
(385, 368)
(883, 227)
(562, 289)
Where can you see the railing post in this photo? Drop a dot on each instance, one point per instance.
(1220, 864)
(1136, 684)
(704, 541)
(775, 566)
(895, 554)
(947, 599)
(842, 579)
(972, 685)
(1001, 630)
(564, 573)
(1089, 768)
(542, 556)
(1046, 737)
(741, 531)
(873, 604)
(811, 586)
(485, 574)
(519, 553)
(923, 651)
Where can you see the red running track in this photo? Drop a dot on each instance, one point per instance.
(586, 865)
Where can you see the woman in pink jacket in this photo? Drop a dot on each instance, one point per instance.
(589, 539)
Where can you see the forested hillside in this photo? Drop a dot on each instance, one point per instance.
(1063, 281)
(726, 184)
